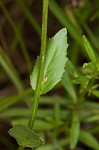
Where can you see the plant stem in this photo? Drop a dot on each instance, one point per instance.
(42, 58)
(41, 69)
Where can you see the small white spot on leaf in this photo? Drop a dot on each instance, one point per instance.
(42, 58)
(45, 79)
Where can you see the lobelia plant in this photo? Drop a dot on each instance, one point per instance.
(47, 72)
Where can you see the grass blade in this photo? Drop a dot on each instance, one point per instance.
(91, 36)
(9, 101)
(20, 28)
(29, 16)
(10, 69)
(66, 81)
(60, 15)
(18, 35)
(89, 140)
(89, 49)
(74, 131)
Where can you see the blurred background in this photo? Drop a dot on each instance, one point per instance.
(20, 36)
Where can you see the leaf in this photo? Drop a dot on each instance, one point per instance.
(54, 62)
(74, 132)
(57, 113)
(25, 136)
(89, 140)
(89, 49)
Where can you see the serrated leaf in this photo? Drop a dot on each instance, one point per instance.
(74, 131)
(54, 62)
(89, 49)
(25, 136)
(89, 140)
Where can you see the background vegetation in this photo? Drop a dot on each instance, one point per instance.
(68, 116)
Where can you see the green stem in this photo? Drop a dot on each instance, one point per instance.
(42, 58)
(41, 70)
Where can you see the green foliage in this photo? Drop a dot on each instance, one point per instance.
(18, 36)
(60, 15)
(29, 16)
(68, 116)
(54, 65)
(39, 125)
(25, 136)
(89, 140)
(95, 92)
(10, 69)
(67, 83)
(89, 49)
(75, 130)
(10, 100)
